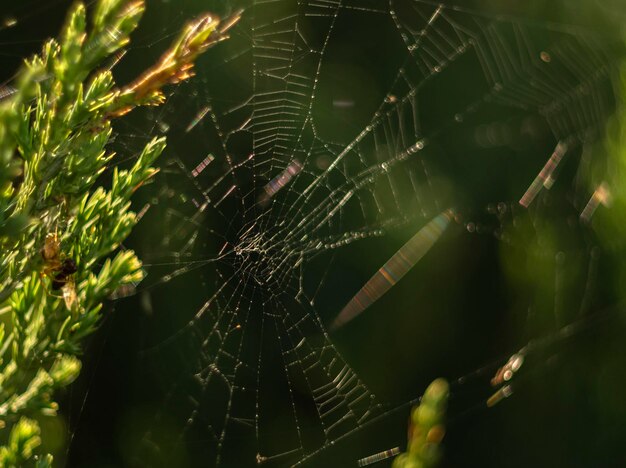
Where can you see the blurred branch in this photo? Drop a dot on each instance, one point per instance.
(426, 429)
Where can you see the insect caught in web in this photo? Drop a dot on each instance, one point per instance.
(59, 269)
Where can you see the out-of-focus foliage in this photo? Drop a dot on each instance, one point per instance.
(608, 175)
(24, 439)
(426, 429)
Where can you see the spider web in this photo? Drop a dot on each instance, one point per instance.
(271, 176)
(324, 130)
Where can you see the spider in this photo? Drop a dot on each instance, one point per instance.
(59, 269)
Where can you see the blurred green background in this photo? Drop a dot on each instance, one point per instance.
(472, 301)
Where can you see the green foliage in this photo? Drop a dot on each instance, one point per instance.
(24, 439)
(59, 232)
(610, 169)
(426, 429)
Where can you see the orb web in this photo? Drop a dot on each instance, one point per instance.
(324, 130)
(321, 126)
